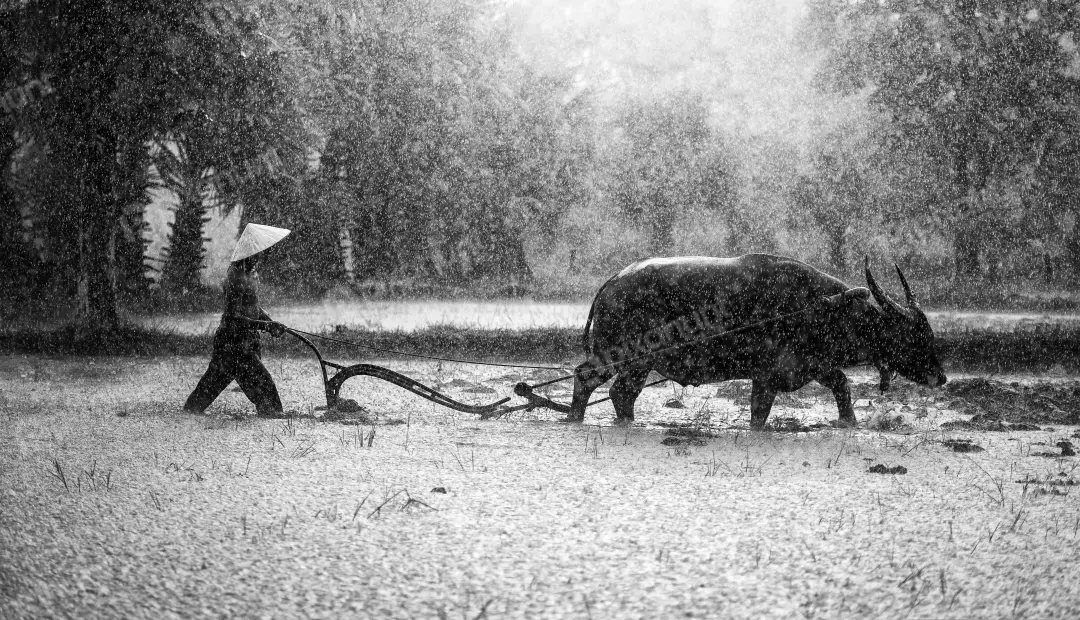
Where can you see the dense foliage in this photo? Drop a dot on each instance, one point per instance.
(991, 91)
(453, 142)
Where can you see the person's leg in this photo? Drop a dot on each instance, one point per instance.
(258, 385)
(216, 378)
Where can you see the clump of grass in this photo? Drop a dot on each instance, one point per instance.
(91, 479)
(410, 502)
(358, 438)
(746, 467)
(301, 450)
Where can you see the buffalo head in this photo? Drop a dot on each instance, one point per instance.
(907, 339)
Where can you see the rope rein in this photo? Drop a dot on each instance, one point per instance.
(526, 390)
(684, 344)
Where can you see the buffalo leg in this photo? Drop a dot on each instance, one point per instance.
(838, 382)
(761, 401)
(628, 385)
(586, 379)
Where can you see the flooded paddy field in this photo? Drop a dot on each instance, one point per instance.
(951, 503)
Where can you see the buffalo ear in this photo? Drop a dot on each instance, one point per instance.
(887, 304)
(914, 303)
(857, 292)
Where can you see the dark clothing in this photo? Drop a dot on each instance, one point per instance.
(237, 352)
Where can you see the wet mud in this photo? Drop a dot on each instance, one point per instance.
(1052, 484)
(962, 445)
(1013, 406)
(882, 469)
(973, 404)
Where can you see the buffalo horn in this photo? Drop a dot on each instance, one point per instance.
(882, 299)
(907, 289)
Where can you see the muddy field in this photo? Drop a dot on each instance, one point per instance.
(954, 503)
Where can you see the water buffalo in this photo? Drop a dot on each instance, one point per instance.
(793, 324)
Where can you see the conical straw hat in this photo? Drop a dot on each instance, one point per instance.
(255, 239)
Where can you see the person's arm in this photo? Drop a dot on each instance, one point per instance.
(268, 324)
(273, 327)
(241, 300)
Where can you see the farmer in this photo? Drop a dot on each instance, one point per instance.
(236, 342)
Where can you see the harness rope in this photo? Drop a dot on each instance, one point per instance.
(525, 390)
(683, 344)
(550, 381)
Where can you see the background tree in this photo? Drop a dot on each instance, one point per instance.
(121, 71)
(444, 149)
(243, 113)
(188, 178)
(662, 153)
(989, 83)
(393, 73)
(834, 196)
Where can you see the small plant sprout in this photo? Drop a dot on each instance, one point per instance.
(87, 479)
(997, 498)
(712, 466)
(302, 450)
(360, 504)
(410, 502)
(57, 472)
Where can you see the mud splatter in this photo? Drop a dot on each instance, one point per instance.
(881, 469)
(962, 445)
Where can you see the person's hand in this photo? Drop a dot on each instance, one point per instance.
(276, 329)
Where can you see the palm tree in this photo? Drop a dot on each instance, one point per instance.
(121, 72)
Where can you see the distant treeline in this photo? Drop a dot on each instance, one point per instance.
(424, 142)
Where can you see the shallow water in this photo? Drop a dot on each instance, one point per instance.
(409, 315)
(222, 516)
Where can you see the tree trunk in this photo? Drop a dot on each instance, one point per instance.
(1072, 251)
(966, 252)
(661, 217)
(971, 175)
(514, 264)
(837, 248)
(96, 278)
(345, 254)
(129, 191)
(97, 275)
(9, 211)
